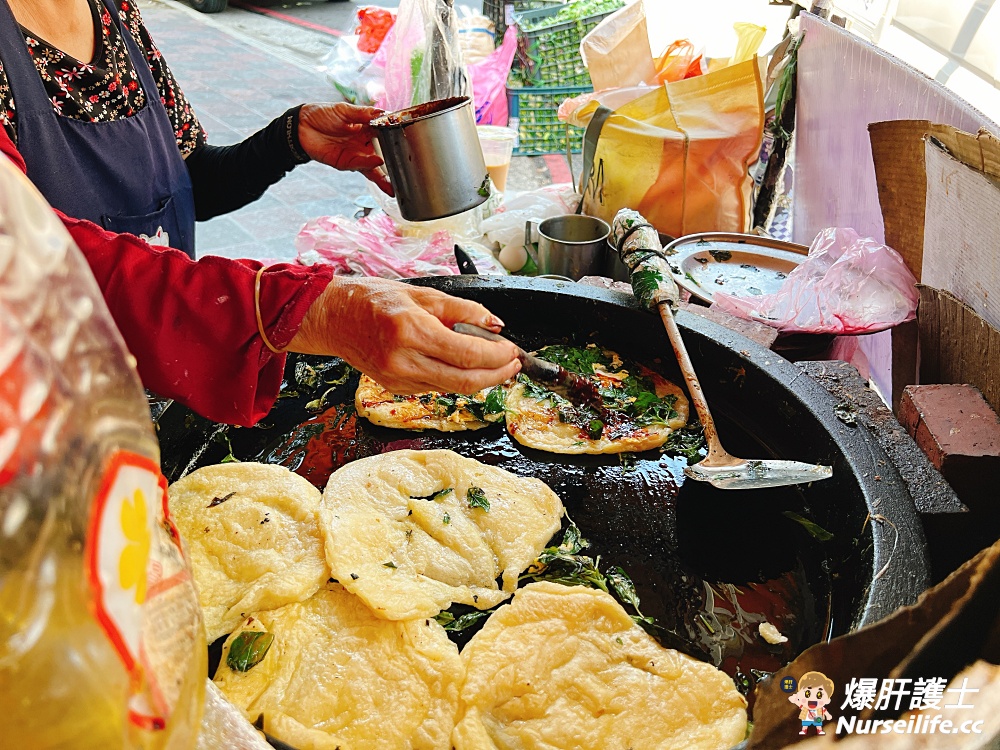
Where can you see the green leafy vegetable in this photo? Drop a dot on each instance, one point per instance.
(446, 520)
(595, 429)
(817, 531)
(622, 585)
(248, 649)
(434, 495)
(389, 564)
(490, 408)
(688, 441)
(477, 498)
(645, 283)
(721, 256)
(457, 624)
(223, 437)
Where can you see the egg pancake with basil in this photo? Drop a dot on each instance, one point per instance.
(447, 412)
(641, 407)
(327, 673)
(410, 531)
(566, 667)
(252, 533)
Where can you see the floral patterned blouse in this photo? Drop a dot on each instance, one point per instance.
(106, 88)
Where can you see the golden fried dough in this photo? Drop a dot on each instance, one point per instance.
(447, 412)
(565, 667)
(402, 535)
(337, 676)
(252, 532)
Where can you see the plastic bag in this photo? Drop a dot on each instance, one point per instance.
(679, 60)
(476, 36)
(617, 52)
(848, 285)
(373, 26)
(374, 246)
(680, 154)
(506, 227)
(423, 60)
(354, 73)
(489, 81)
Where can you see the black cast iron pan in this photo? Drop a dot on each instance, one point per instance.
(709, 565)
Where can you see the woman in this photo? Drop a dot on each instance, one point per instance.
(210, 333)
(107, 135)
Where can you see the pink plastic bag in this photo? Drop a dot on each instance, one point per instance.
(848, 284)
(489, 81)
(373, 246)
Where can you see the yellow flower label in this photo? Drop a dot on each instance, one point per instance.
(135, 557)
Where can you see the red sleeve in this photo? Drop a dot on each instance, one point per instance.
(191, 325)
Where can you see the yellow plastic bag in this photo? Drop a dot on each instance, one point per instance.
(679, 155)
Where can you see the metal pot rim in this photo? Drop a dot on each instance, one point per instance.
(446, 105)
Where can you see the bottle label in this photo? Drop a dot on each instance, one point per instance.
(134, 566)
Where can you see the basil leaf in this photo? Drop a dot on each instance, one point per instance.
(248, 649)
(619, 580)
(477, 499)
(817, 531)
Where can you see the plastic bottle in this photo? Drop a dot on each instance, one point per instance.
(101, 641)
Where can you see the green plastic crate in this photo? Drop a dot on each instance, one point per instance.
(550, 55)
(533, 113)
(496, 11)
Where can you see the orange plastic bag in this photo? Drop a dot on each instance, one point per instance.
(679, 155)
(678, 61)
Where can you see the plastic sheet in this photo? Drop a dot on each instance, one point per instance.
(375, 246)
(423, 60)
(848, 285)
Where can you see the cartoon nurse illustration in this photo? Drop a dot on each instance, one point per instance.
(813, 696)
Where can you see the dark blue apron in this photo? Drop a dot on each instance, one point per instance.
(126, 175)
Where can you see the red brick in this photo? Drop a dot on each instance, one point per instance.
(950, 420)
(960, 434)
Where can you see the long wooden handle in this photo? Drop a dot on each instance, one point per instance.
(716, 453)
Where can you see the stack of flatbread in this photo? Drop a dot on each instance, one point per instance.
(329, 604)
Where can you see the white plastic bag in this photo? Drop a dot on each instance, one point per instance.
(848, 285)
(353, 72)
(505, 228)
(423, 60)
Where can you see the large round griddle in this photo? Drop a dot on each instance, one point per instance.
(690, 548)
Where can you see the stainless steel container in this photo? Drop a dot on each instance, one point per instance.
(434, 159)
(571, 245)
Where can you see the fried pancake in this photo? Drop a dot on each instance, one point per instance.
(642, 407)
(403, 534)
(337, 676)
(252, 532)
(565, 666)
(447, 412)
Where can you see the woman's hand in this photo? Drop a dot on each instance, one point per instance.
(339, 135)
(401, 336)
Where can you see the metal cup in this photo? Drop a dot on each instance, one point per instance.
(572, 245)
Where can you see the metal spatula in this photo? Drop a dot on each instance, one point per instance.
(639, 248)
(577, 390)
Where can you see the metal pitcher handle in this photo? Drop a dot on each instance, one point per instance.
(529, 247)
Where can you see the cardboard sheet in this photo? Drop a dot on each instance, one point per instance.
(961, 234)
(956, 345)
